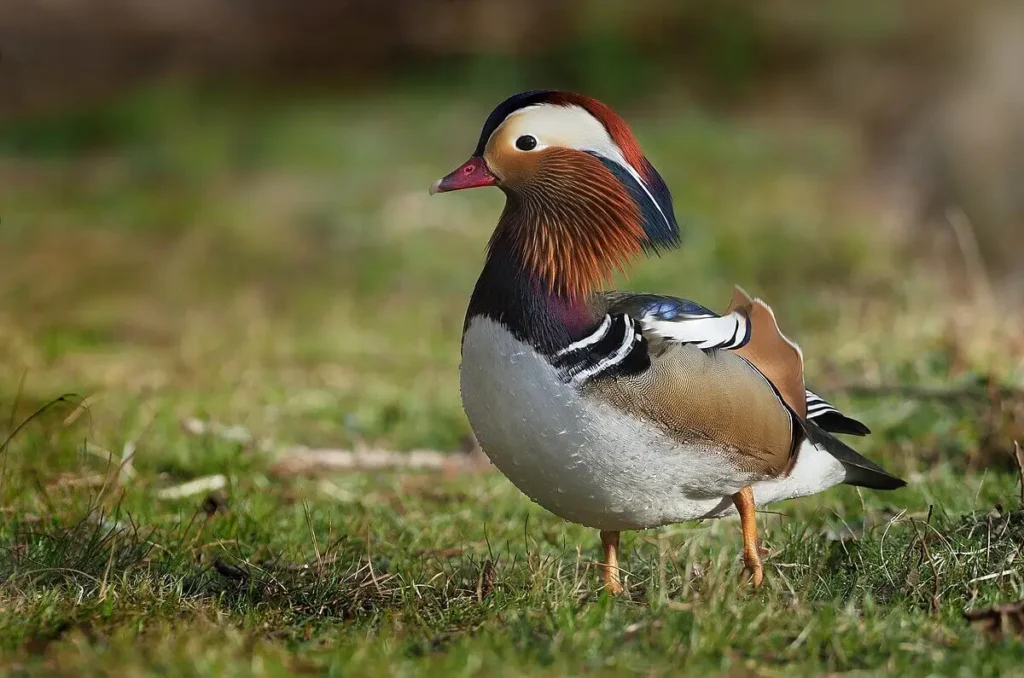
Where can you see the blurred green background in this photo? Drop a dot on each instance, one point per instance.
(223, 204)
(218, 209)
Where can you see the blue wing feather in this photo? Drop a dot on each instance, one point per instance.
(669, 308)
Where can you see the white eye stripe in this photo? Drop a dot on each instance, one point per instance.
(570, 127)
(551, 125)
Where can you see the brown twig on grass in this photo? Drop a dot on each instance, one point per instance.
(235, 434)
(194, 487)
(999, 620)
(75, 480)
(307, 461)
(300, 460)
(485, 582)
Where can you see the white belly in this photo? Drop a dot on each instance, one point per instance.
(590, 463)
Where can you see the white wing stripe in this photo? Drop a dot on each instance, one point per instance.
(590, 339)
(729, 332)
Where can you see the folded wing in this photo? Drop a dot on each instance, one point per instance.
(671, 319)
(748, 330)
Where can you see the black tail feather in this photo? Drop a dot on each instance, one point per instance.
(860, 470)
(836, 422)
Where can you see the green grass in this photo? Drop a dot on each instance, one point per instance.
(278, 265)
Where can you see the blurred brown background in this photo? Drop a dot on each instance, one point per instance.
(934, 89)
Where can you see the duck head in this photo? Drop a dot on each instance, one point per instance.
(581, 198)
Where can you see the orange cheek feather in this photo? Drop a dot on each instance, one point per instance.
(571, 221)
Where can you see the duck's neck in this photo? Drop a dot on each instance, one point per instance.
(560, 238)
(527, 305)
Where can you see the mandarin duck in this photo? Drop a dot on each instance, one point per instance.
(618, 410)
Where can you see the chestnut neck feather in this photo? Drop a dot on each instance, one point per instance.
(560, 237)
(572, 225)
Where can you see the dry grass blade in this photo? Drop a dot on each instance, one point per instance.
(974, 263)
(299, 460)
(236, 434)
(305, 461)
(76, 480)
(193, 487)
(1018, 458)
(935, 600)
(81, 409)
(126, 471)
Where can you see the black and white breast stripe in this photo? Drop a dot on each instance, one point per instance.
(617, 346)
(729, 332)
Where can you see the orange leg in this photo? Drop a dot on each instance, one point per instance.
(610, 566)
(752, 568)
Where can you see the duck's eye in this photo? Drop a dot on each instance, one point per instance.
(526, 143)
